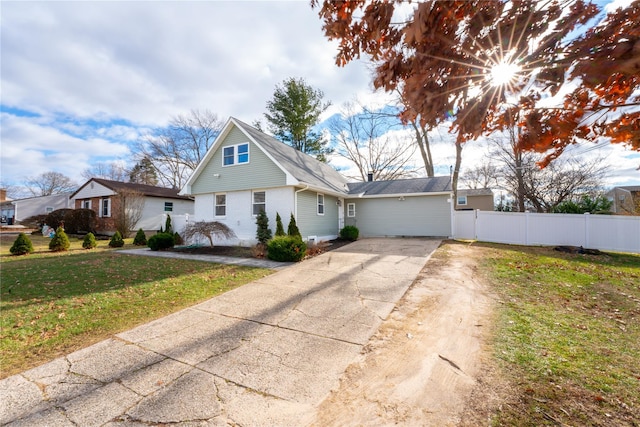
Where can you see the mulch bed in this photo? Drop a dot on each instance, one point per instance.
(247, 252)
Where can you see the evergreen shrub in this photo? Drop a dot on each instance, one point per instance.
(349, 232)
(59, 242)
(286, 249)
(116, 240)
(22, 245)
(140, 239)
(293, 230)
(161, 241)
(89, 241)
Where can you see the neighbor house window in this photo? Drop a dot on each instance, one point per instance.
(106, 208)
(235, 154)
(462, 200)
(259, 202)
(48, 209)
(220, 205)
(168, 206)
(86, 204)
(320, 204)
(351, 210)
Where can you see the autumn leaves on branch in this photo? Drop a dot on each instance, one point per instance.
(577, 78)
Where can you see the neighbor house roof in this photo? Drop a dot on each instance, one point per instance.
(147, 190)
(475, 192)
(304, 168)
(438, 184)
(629, 187)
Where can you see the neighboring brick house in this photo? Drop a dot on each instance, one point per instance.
(474, 199)
(625, 199)
(102, 196)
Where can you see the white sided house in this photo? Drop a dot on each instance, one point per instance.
(101, 195)
(246, 171)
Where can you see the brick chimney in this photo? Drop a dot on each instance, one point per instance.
(3, 194)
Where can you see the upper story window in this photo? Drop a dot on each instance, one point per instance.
(168, 206)
(320, 204)
(462, 200)
(351, 210)
(259, 202)
(220, 205)
(106, 208)
(235, 154)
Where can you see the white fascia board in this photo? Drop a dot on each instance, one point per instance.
(323, 190)
(380, 196)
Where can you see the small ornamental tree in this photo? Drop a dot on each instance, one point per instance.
(208, 230)
(279, 227)
(22, 245)
(167, 225)
(263, 233)
(89, 241)
(140, 239)
(293, 230)
(116, 240)
(59, 242)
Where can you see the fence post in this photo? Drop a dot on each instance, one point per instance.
(526, 228)
(587, 224)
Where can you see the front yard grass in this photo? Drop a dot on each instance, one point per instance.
(54, 303)
(567, 336)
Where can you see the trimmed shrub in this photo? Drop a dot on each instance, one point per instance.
(140, 239)
(286, 249)
(293, 230)
(161, 241)
(89, 241)
(116, 240)
(350, 232)
(35, 221)
(263, 233)
(59, 242)
(279, 227)
(177, 239)
(55, 219)
(79, 221)
(22, 245)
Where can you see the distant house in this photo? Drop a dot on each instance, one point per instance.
(14, 211)
(246, 171)
(625, 199)
(474, 199)
(102, 196)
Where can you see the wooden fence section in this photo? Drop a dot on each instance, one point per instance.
(604, 232)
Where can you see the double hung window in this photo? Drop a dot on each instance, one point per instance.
(259, 202)
(320, 204)
(220, 205)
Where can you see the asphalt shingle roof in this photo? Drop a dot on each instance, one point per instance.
(147, 190)
(475, 192)
(436, 184)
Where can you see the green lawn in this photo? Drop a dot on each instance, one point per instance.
(55, 303)
(567, 335)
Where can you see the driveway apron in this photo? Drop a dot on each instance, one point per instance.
(264, 354)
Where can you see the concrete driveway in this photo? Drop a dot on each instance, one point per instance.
(265, 354)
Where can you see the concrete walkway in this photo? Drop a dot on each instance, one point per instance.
(264, 354)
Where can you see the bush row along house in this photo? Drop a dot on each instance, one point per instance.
(104, 197)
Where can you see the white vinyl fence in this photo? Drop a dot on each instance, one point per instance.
(604, 232)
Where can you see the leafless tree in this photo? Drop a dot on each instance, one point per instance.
(115, 171)
(484, 175)
(127, 210)
(176, 150)
(209, 230)
(49, 183)
(362, 136)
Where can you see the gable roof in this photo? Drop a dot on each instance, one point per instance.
(475, 192)
(147, 190)
(438, 184)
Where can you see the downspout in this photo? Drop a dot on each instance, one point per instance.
(295, 201)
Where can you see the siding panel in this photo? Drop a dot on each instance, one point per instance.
(312, 224)
(260, 172)
(413, 216)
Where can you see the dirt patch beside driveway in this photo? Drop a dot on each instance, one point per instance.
(422, 364)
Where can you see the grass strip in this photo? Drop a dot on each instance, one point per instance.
(568, 336)
(54, 304)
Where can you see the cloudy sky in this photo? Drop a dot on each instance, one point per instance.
(81, 81)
